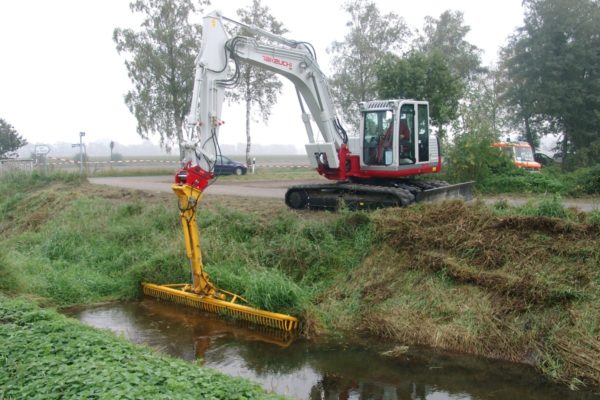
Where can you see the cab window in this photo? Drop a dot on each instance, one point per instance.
(406, 137)
(378, 137)
(423, 126)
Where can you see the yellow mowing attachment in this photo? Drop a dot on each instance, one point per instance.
(202, 293)
(176, 294)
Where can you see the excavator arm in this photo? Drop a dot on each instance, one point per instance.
(293, 60)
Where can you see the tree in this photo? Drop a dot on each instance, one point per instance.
(447, 36)
(552, 64)
(438, 69)
(354, 60)
(422, 76)
(258, 88)
(519, 87)
(10, 140)
(160, 62)
(481, 108)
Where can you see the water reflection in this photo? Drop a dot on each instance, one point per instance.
(309, 370)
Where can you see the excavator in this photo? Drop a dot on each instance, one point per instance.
(377, 168)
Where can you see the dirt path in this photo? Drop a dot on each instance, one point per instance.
(277, 189)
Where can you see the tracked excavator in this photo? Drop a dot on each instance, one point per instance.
(375, 169)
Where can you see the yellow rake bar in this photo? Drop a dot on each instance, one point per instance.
(174, 293)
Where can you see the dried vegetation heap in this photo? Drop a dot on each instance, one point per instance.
(461, 277)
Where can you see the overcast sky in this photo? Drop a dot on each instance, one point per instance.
(60, 73)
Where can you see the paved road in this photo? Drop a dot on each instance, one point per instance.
(277, 189)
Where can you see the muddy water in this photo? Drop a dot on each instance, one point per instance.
(322, 370)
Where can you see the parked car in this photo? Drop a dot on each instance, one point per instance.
(226, 166)
(543, 159)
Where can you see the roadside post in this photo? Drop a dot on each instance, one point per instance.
(80, 145)
(253, 164)
(81, 135)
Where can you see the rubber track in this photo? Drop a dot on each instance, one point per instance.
(355, 195)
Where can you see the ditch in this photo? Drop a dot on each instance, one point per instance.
(304, 369)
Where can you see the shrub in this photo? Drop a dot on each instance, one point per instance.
(472, 157)
(584, 181)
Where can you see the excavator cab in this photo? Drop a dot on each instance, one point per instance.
(395, 135)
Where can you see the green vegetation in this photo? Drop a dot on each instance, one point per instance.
(10, 140)
(72, 246)
(151, 49)
(520, 284)
(44, 355)
(273, 174)
(471, 157)
(578, 183)
(546, 86)
(370, 35)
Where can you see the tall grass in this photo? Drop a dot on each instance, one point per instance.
(94, 248)
(546, 206)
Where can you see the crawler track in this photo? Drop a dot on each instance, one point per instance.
(367, 196)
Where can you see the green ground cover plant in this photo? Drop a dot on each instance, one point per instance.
(44, 355)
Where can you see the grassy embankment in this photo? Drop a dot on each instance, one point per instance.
(513, 284)
(44, 355)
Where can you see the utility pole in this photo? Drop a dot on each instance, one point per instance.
(81, 135)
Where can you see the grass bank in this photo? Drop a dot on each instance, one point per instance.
(520, 284)
(579, 183)
(44, 355)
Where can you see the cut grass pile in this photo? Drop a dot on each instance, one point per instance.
(44, 355)
(462, 277)
(520, 284)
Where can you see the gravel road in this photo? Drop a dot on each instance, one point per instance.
(277, 189)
